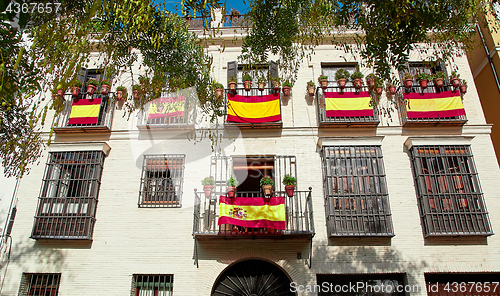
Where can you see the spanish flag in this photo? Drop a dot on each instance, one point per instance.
(348, 104)
(85, 111)
(166, 107)
(253, 212)
(434, 105)
(253, 109)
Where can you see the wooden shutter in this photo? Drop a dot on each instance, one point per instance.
(232, 69)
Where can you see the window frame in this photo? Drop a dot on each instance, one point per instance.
(169, 279)
(331, 70)
(28, 288)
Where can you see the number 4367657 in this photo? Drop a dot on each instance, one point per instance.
(33, 7)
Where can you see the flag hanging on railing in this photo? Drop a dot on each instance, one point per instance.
(253, 212)
(85, 111)
(166, 107)
(434, 105)
(253, 109)
(348, 104)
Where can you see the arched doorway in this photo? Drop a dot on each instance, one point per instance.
(252, 278)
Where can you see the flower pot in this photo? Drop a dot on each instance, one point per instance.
(247, 84)
(232, 86)
(75, 91)
(324, 83)
(423, 83)
(289, 190)
(310, 90)
(208, 190)
(268, 189)
(392, 89)
(58, 98)
(463, 89)
(408, 82)
(262, 85)
(455, 82)
(136, 94)
(357, 83)
(231, 191)
(91, 89)
(105, 89)
(276, 85)
(341, 83)
(379, 90)
(119, 95)
(438, 82)
(60, 92)
(286, 90)
(370, 82)
(218, 93)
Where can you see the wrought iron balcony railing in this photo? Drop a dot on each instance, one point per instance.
(299, 221)
(76, 117)
(166, 115)
(345, 120)
(240, 21)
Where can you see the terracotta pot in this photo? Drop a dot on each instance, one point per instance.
(423, 83)
(289, 190)
(276, 85)
(286, 90)
(455, 82)
(262, 85)
(408, 82)
(136, 94)
(232, 86)
(119, 95)
(60, 92)
(219, 93)
(105, 89)
(463, 89)
(310, 90)
(392, 89)
(324, 83)
(267, 189)
(231, 191)
(208, 190)
(91, 89)
(438, 82)
(247, 84)
(357, 83)
(379, 90)
(370, 82)
(341, 83)
(75, 91)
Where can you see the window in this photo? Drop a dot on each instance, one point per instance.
(356, 191)
(68, 199)
(40, 284)
(161, 182)
(366, 284)
(233, 69)
(448, 191)
(425, 67)
(331, 70)
(152, 285)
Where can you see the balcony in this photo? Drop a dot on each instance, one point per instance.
(298, 217)
(346, 108)
(85, 115)
(166, 113)
(253, 109)
(431, 106)
(229, 21)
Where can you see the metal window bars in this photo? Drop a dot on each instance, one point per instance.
(152, 285)
(171, 113)
(356, 197)
(448, 191)
(161, 181)
(68, 197)
(40, 284)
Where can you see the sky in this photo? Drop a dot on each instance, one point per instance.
(238, 5)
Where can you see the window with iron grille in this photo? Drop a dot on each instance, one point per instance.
(448, 191)
(68, 198)
(356, 191)
(152, 285)
(161, 182)
(331, 70)
(40, 284)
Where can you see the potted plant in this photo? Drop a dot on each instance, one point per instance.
(323, 81)
(378, 86)
(311, 87)
(438, 79)
(208, 186)
(91, 86)
(76, 86)
(262, 82)
(342, 75)
(105, 87)
(463, 86)
(57, 100)
(219, 91)
(423, 79)
(136, 89)
(231, 187)
(275, 81)
(408, 80)
(289, 183)
(287, 85)
(370, 80)
(247, 81)
(455, 79)
(121, 93)
(356, 79)
(232, 83)
(267, 185)
(391, 88)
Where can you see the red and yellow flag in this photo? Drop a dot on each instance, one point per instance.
(253, 109)
(85, 111)
(166, 107)
(348, 104)
(434, 105)
(253, 212)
